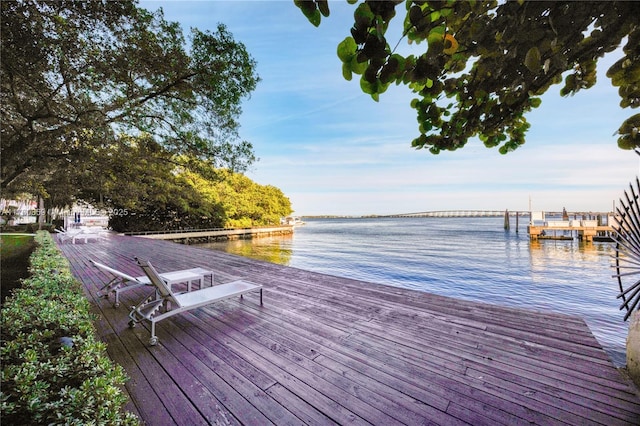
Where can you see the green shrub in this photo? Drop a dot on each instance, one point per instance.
(54, 370)
(28, 228)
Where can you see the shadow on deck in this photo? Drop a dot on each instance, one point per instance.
(328, 350)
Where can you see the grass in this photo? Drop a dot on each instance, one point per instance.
(14, 261)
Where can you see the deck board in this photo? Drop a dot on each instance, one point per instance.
(328, 350)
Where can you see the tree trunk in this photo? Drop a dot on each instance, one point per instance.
(41, 212)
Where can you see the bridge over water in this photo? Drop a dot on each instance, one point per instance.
(458, 213)
(492, 213)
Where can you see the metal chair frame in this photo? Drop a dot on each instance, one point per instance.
(164, 303)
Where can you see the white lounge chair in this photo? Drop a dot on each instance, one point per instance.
(123, 282)
(66, 235)
(85, 234)
(164, 303)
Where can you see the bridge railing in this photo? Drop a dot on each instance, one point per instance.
(454, 213)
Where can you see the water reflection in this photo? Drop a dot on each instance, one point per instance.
(597, 247)
(276, 249)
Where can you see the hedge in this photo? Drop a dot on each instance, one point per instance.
(54, 370)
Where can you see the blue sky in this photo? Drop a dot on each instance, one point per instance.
(333, 150)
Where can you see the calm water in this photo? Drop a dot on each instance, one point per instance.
(469, 258)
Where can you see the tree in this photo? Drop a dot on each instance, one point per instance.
(138, 183)
(485, 63)
(244, 202)
(146, 188)
(105, 67)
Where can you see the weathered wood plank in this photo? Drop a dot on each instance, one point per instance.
(279, 369)
(280, 356)
(536, 334)
(206, 386)
(372, 392)
(301, 408)
(448, 345)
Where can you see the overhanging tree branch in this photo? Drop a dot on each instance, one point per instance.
(60, 77)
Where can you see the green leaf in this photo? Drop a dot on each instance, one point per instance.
(346, 71)
(570, 85)
(347, 49)
(415, 16)
(436, 35)
(358, 67)
(309, 9)
(314, 17)
(367, 87)
(372, 88)
(363, 16)
(323, 7)
(401, 63)
(532, 59)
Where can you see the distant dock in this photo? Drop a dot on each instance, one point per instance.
(591, 227)
(586, 230)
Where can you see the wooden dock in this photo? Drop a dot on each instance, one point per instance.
(218, 234)
(327, 350)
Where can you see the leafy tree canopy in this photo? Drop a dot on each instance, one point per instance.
(145, 188)
(480, 66)
(245, 203)
(103, 68)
